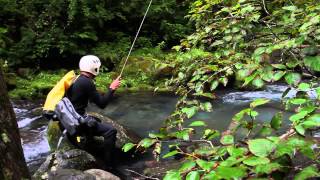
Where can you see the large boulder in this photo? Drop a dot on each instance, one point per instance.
(71, 159)
(153, 69)
(123, 136)
(101, 174)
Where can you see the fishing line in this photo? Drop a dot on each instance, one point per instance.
(144, 17)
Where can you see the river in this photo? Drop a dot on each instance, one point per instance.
(144, 113)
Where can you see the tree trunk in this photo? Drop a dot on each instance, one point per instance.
(12, 162)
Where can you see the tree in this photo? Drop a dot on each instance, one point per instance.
(12, 162)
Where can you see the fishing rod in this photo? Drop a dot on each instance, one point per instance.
(134, 41)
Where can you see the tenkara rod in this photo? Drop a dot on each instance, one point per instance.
(144, 17)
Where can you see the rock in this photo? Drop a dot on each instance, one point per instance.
(70, 174)
(73, 159)
(53, 135)
(102, 175)
(153, 68)
(123, 136)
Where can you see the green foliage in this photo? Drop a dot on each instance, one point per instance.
(249, 44)
(32, 31)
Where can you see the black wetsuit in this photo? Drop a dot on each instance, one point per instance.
(80, 93)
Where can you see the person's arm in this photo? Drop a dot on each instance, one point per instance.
(102, 100)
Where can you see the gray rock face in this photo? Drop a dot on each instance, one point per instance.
(70, 174)
(102, 175)
(123, 136)
(72, 159)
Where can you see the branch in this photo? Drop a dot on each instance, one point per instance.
(288, 134)
(264, 7)
(144, 176)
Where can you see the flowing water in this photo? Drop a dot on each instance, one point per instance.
(144, 113)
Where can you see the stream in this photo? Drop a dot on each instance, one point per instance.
(144, 113)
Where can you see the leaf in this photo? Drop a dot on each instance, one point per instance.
(127, 147)
(304, 87)
(247, 80)
(290, 8)
(284, 94)
(190, 111)
(193, 175)
(299, 128)
(293, 79)
(187, 166)
(214, 85)
(318, 92)
(253, 161)
(146, 142)
(210, 176)
(231, 172)
(183, 135)
(278, 75)
(258, 83)
(308, 172)
(172, 175)
(236, 152)
(314, 118)
(216, 43)
(172, 153)
(298, 116)
(265, 130)
(276, 121)
(207, 95)
(156, 135)
(298, 101)
(227, 139)
(267, 168)
(261, 147)
(207, 106)
(224, 81)
(260, 51)
(197, 123)
(279, 66)
(205, 164)
(259, 102)
(313, 62)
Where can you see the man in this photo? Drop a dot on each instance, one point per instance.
(80, 93)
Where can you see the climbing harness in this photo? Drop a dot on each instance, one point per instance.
(144, 17)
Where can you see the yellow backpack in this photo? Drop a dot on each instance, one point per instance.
(58, 91)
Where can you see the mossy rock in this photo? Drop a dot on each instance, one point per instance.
(53, 135)
(123, 136)
(71, 159)
(152, 67)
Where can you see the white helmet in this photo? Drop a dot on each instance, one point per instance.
(90, 63)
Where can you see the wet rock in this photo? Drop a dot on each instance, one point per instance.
(123, 136)
(53, 135)
(102, 175)
(73, 159)
(68, 174)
